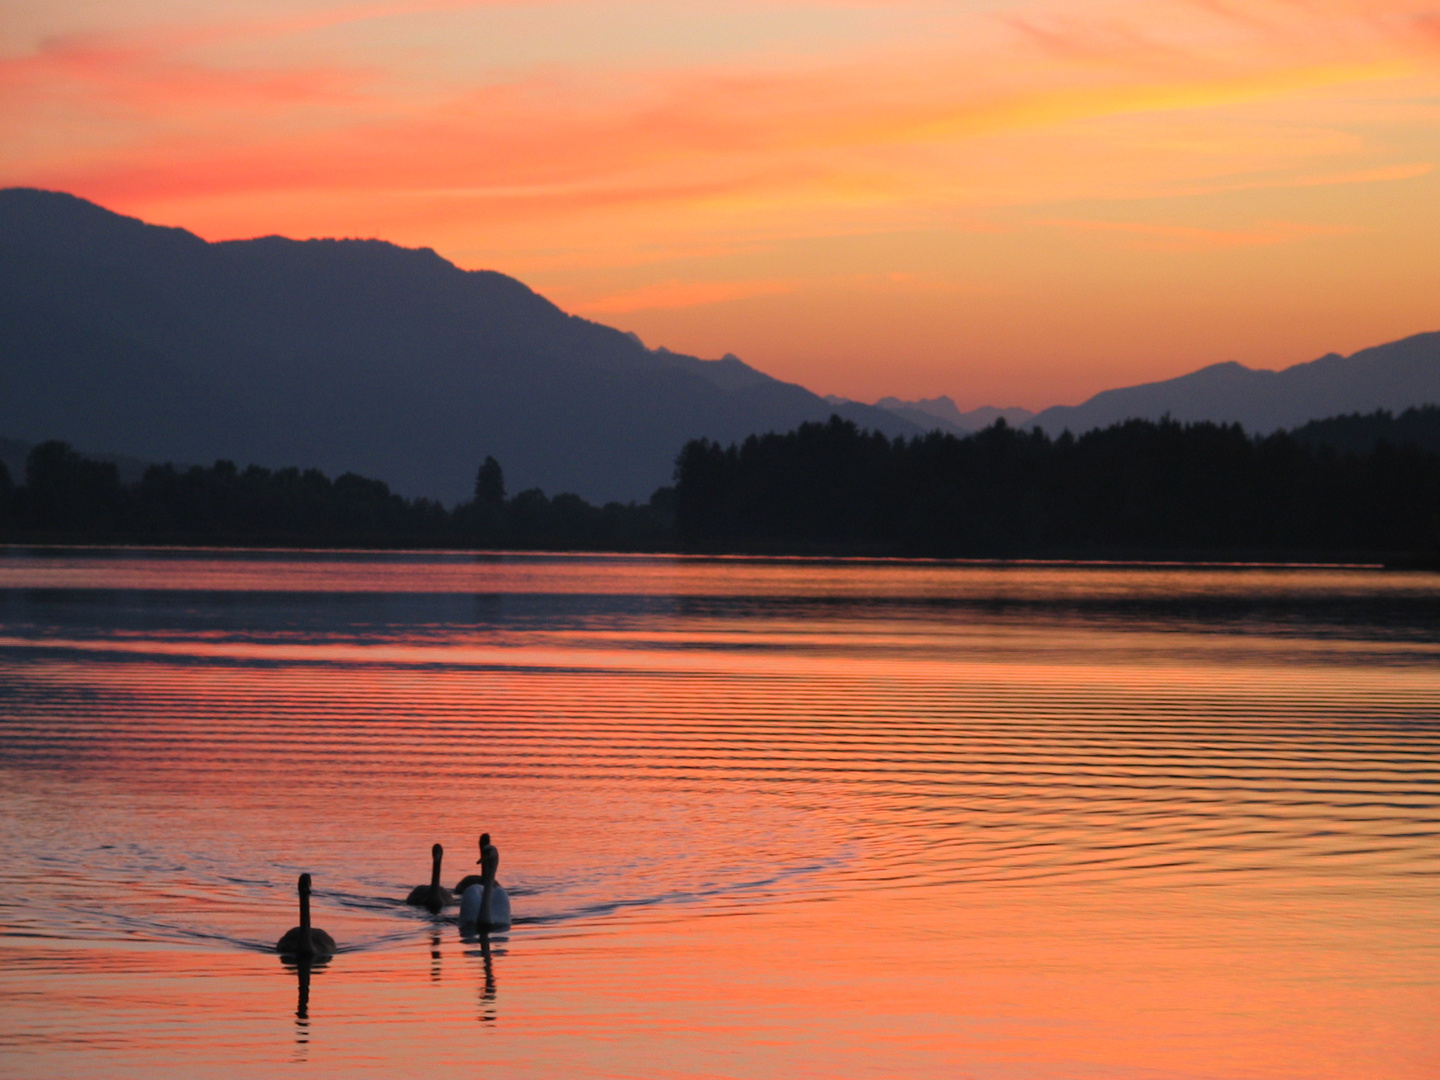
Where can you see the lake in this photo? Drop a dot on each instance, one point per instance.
(758, 818)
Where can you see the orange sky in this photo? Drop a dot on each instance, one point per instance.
(1008, 201)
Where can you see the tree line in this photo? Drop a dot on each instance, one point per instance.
(1348, 486)
(1336, 488)
(69, 498)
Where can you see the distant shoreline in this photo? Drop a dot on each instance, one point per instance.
(1200, 562)
(1352, 491)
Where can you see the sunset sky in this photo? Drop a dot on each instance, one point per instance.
(1014, 202)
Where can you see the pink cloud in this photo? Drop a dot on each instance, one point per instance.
(152, 78)
(869, 138)
(558, 140)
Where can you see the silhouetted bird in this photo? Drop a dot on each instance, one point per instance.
(305, 942)
(434, 896)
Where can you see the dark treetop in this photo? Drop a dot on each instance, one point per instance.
(69, 498)
(1135, 489)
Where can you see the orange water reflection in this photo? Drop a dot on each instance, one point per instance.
(878, 838)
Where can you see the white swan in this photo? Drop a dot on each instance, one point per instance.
(475, 909)
(496, 916)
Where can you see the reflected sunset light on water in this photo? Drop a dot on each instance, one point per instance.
(758, 818)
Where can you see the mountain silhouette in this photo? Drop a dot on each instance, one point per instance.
(347, 355)
(1394, 377)
(941, 413)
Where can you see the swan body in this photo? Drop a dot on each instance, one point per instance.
(473, 899)
(427, 896)
(434, 896)
(303, 945)
(305, 942)
(489, 863)
(483, 907)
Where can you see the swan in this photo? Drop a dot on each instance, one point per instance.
(488, 862)
(434, 896)
(483, 901)
(305, 942)
(495, 915)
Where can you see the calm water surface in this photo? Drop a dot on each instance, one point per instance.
(758, 818)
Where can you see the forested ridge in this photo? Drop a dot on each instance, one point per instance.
(1335, 488)
(69, 498)
(1354, 486)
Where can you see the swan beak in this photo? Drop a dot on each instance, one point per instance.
(479, 861)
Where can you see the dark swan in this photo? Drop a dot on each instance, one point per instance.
(305, 942)
(434, 896)
(490, 857)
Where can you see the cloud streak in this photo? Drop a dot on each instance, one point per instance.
(97, 72)
(681, 294)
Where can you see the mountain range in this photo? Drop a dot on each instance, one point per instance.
(1393, 377)
(942, 414)
(147, 343)
(344, 355)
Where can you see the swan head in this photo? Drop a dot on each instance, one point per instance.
(437, 852)
(304, 884)
(484, 840)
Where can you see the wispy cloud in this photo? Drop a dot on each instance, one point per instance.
(557, 143)
(147, 77)
(681, 294)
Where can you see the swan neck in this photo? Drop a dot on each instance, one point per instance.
(305, 911)
(435, 872)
